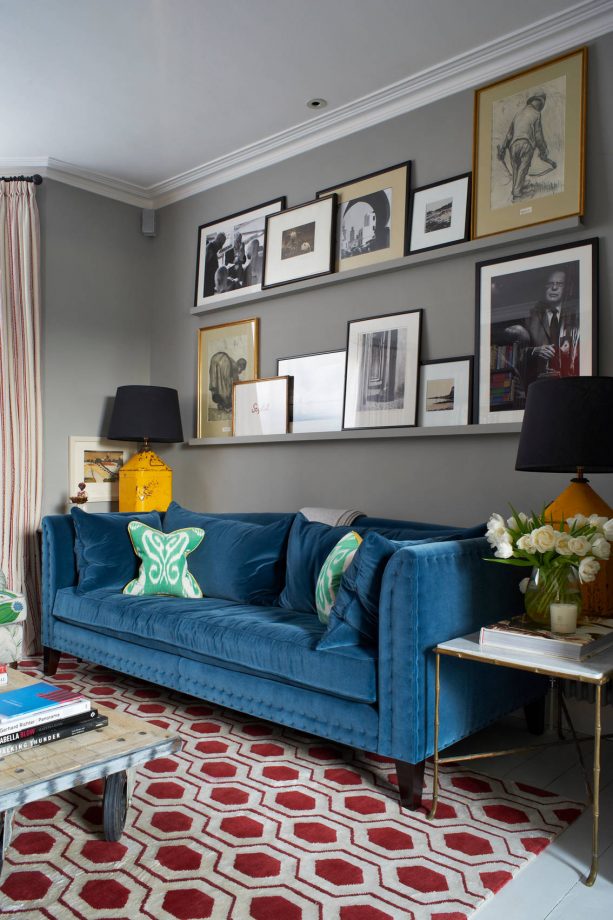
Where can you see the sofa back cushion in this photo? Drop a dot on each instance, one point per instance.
(237, 560)
(310, 543)
(105, 558)
(354, 618)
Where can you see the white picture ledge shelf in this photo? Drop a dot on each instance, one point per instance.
(362, 433)
(417, 258)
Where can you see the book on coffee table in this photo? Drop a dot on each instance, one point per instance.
(36, 704)
(519, 633)
(48, 735)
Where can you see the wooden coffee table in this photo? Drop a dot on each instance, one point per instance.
(112, 752)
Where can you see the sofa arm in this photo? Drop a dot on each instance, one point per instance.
(59, 569)
(431, 593)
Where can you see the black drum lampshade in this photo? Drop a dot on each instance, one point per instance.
(146, 413)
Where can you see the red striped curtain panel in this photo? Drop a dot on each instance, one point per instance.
(20, 398)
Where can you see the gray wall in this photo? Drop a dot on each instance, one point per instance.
(96, 291)
(455, 479)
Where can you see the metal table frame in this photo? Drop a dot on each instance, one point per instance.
(597, 671)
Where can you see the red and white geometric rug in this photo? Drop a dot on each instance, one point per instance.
(255, 822)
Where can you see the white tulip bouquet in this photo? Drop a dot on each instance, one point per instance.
(554, 552)
(534, 541)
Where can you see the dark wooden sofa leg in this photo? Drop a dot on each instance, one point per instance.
(535, 716)
(51, 659)
(410, 783)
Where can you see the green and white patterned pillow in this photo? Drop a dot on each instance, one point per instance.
(331, 572)
(164, 561)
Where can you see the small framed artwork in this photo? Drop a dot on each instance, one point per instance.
(440, 214)
(445, 392)
(226, 354)
(372, 217)
(231, 255)
(300, 242)
(536, 317)
(382, 371)
(96, 462)
(529, 146)
(319, 382)
(261, 406)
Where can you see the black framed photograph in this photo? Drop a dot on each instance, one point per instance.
(536, 317)
(440, 214)
(319, 383)
(300, 242)
(381, 379)
(445, 392)
(372, 217)
(231, 255)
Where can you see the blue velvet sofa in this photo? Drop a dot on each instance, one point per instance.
(248, 649)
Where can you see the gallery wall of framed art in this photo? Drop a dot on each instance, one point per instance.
(383, 379)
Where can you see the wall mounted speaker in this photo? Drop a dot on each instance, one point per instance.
(148, 222)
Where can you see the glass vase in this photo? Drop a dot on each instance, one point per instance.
(551, 585)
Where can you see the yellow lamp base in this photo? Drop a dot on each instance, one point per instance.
(145, 483)
(579, 498)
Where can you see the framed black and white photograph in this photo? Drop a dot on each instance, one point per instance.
(372, 217)
(536, 317)
(231, 255)
(261, 406)
(300, 242)
(319, 382)
(440, 214)
(529, 146)
(382, 371)
(445, 392)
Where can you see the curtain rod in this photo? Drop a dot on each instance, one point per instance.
(36, 179)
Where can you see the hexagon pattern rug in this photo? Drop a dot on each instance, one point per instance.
(255, 822)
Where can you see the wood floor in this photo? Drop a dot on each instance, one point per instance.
(551, 885)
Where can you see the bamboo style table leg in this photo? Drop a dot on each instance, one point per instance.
(437, 693)
(596, 800)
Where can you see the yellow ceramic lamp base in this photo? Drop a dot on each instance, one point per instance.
(580, 498)
(145, 483)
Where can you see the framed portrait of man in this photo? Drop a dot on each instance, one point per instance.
(536, 317)
(529, 146)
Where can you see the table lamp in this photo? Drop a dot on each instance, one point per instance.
(145, 413)
(567, 429)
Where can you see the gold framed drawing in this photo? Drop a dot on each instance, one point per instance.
(529, 146)
(227, 354)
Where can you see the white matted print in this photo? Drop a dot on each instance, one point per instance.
(382, 371)
(445, 392)
(440, 214)
(96, 462)
(300, 242)
(319, 382)
(261, 406)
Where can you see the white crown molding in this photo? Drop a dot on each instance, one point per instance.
(69, 174)
(553, 35)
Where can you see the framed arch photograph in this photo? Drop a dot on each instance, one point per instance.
(372, 217)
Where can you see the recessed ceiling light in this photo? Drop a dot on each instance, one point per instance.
(317, 103)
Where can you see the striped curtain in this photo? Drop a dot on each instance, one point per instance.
(20, 399)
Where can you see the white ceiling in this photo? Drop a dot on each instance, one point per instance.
(153, 99)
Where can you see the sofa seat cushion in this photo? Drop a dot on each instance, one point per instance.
(269, 641)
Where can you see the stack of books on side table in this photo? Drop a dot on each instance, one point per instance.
(521, 635)
(41, 713)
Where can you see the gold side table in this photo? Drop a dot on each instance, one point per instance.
(597, 670)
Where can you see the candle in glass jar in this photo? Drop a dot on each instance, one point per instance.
(563, 618)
